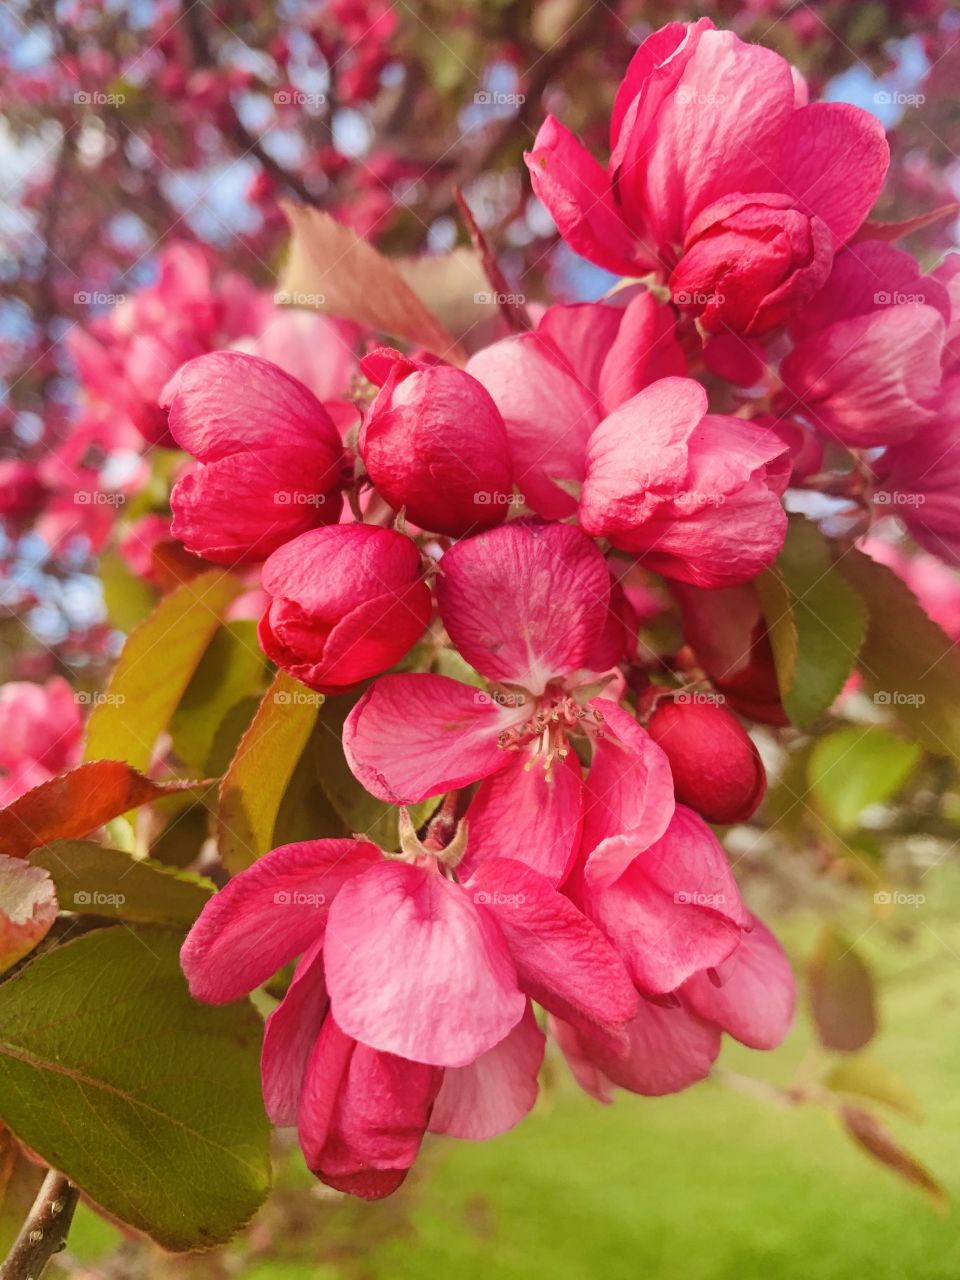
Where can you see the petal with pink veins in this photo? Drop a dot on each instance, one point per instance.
(525, 604)
(528, 813)
(268, 914)
(756, 1000)
(289, 1036)
(416, 969)
(563, 960)
(414, 736)
(493, 1094)
(28, 908)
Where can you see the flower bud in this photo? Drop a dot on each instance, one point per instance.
(434, 443)
(348, 601)
(716, 768)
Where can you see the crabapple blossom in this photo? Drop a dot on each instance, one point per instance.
(722, 178)
(695, 495)
(346, 602)
(270, 461)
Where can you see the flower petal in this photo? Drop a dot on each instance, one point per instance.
(493, 1094)
(266, 915)
(414, 736)
(289, 1036)
(527, 813)
(414, 968)
(526, 603)
(562, 959)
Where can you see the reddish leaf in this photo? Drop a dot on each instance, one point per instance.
(340, 273)
(841, 995)
(876, 1139)
(28, 907)
(76, 803)
(896, 230)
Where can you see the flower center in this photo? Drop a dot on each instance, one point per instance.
(545, 733)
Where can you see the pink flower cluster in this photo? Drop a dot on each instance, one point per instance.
(494, 513)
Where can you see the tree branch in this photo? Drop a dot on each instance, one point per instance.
(44, 1232)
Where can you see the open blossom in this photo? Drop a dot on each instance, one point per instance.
(347, 601)
(721, 178)
(528, 607)
(695, 495)
(554, 385)
(435, 445)
(866, 365)
(271, 463)
(410, 1006)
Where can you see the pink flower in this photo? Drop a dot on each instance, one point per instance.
(919, 481)
(935, 586)
(347, 602)
(721, 178)
(866, 363)
(717, 771)
(435, 445)
(528, 607)
(40, 732)
(271, 461)
(410, 1004)
(555, 385)
(671, 1045)
(695, 495)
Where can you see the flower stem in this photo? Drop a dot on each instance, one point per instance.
(44, 1231)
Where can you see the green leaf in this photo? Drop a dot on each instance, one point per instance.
(866, 1078)
(105, 882)
(909, 665)
(154, 669)
(128, 600)
(149, 1101)
(841, 995)
(232, 669)
(259, 774)
(857, 767)
(816, 623)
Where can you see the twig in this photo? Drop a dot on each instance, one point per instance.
(510, 304)
(45, 1230)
